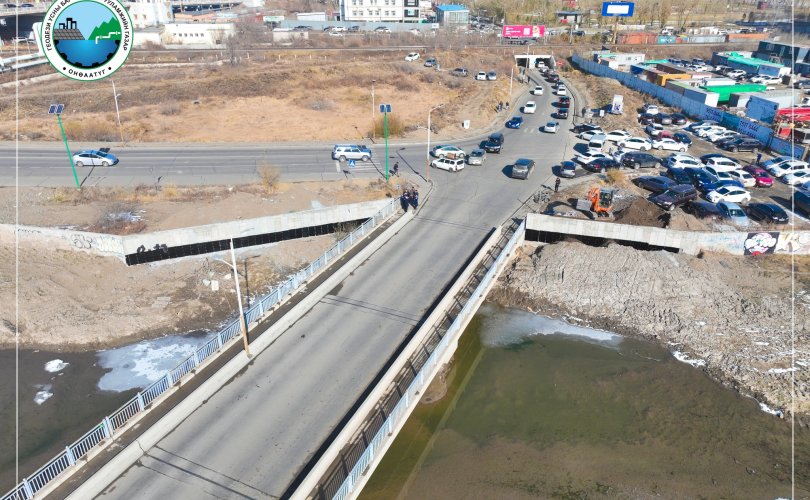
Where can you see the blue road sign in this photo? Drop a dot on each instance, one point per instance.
(385, 108)
(351, 164)
(618, 9)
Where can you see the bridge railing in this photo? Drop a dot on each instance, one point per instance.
(143, 401)
(423, 377)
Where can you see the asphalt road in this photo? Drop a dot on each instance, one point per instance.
(253, 437)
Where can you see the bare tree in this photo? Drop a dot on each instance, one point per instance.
(664, 12)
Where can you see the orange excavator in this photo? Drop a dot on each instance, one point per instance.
(601, 201)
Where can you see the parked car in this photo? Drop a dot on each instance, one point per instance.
(413, 56)
(780, 169)
(769, 213)
(587, 127)
(796, 178)
(460, 72)
(655, 183)
(654, 129)
(802, 84)
(568, 169)
(515, 122)
(663, 119)
(551, 127)
(722, 163)
(742, 144)
(720, 135)
(703, 210)
(522, 168)
(637, 160)
(481, 76)
(718, 174)
(715, 185)
(446, 150)
(760, 175)
(562, 113)
(530, 107)
(720, 143)
(589, 134)
(669, 145)
(678, 175)
(476, 157)
(766, 80)
(562, 91)
(617, 135)
(692, 127)
(650, 108)
(601, 164)
(677, 119)
(682, 138)
(682, 162)
(675, 196)
(702, 132)
(639, 143)
(646, 118)
(736, 73)
(430, 62)
(801, 200)
(699, 178)
(729, 193)
(449, 164)
(589, 156)
(538, 90)
(744, 177)
(492, 76)
(564, 101)
(733, 213)
(93, 158)
(382, 29)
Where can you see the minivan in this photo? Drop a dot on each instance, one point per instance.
(345, 152)
(597, 141)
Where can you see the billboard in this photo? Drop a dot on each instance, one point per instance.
(523, 31)
(618, 9)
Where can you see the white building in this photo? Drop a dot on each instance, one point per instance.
(150, 13)
(380, 10)
(209, 35)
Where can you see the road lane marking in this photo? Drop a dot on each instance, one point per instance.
(337, 166)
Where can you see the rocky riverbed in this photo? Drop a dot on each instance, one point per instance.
(729, 315)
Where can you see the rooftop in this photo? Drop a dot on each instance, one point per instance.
(753, 61)
(450, 8)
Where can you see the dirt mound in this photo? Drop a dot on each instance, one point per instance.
(641, 212)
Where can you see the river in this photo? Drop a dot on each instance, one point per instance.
(530, 413)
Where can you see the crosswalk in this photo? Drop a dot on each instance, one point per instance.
(360, 167)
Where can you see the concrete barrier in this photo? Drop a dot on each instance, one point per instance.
(753, 242)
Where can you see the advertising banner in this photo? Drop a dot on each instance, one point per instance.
(617, 106)
(523, 31)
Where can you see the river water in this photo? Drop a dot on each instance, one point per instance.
(531, 413)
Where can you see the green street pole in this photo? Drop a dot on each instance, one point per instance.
(385, 128)
(70, 156)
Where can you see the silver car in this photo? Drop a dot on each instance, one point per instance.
(476, 157)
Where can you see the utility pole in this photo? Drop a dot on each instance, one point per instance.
(385, 109)
(56, 109)
(373, 107)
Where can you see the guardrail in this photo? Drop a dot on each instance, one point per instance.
(141, 402)
(411, 396)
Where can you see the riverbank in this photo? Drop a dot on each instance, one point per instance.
(731, 316)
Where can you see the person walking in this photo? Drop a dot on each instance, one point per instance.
(507, 104)
(500, 106)
(557, 185)
(405, 200)
(759, 158)
(415, 198)
(396, 169)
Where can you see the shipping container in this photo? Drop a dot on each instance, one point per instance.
(663, 79)
(725, 91)
(669, 68)
(705, 39)
(637, 38)
(677, 87)
(701, 96)
(665, 39)
(746, 37)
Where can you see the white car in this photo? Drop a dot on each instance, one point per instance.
(783, 168)
(447, 164)
(681, 162)
(719, 135)
(589, 156)
(617, 135)
(650, 108)
(796, 178)
(705, 132)
(669, 144)
(562, 91)
(586, 135)
(723, 163)
(736, 73)
(530, 107)
(747, 179)
(538, 90)
(444, 150)
(654, 129)
(412, 56)
(733, 194)
(639, 143)
(551, 127)
(481, 76)
(766, 79)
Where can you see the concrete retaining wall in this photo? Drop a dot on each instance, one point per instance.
(108, 245)
(691, 242)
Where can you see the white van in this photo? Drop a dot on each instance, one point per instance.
(453, 165)
(345, 152)
(597, 141)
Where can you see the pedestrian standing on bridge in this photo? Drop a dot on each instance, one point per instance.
(415, 198)
(557, 185)
(405, 200)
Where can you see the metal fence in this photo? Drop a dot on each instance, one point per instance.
(417, 384)
(106, 429)
(694, 108)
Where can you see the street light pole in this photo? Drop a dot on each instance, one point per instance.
(373, 110)
(238, 298)
(117, 113)
(56, 109)
(427, 153)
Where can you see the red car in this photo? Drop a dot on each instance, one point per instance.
(761, 176)
(565, 101)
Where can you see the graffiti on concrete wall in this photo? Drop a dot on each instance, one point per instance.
(760, 243)
(98, 242)
(796, 242)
